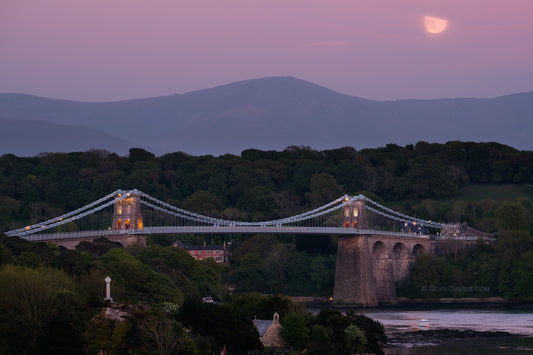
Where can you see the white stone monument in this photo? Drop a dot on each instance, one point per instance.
(108, 290)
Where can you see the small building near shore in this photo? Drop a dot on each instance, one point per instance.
(270, 332)
(202, 252)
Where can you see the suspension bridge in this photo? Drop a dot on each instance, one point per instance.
(376, 244)
(133, 212)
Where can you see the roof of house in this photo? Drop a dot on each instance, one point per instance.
(262, 325)
(204, 247)
(199, 247)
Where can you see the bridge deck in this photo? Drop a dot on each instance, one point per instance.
(217, 230)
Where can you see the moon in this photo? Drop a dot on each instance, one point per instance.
(435, 24)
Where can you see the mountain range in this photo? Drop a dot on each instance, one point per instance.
(268, 114)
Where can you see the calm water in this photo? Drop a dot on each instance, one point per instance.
(518, 322)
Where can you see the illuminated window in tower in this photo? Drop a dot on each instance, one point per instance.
(127, 224)
(119, 209)
(346, 212)
(355, 212)
(119, 224)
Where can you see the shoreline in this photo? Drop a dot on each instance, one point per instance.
(467, 301)
(403, 302)
(405, 342)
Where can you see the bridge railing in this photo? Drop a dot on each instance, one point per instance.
(218, 230)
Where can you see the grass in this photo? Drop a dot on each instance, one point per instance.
(506, 192)
(478, 192)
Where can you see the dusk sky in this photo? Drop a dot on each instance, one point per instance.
(105, 50)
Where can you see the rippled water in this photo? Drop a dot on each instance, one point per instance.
(512, 321)
(518, 322)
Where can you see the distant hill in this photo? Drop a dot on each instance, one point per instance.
(29, 138)
(267, 113)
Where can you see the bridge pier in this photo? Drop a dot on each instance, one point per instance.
(369, 267)
(354, 284)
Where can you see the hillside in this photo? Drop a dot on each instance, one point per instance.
(273, 113)
(29, 138)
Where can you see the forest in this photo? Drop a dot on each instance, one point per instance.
(426, 180)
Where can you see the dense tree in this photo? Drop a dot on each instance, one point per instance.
(228, 328)
(33, 304)
(511, 216)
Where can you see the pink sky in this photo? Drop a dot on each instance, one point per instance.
(103, 50)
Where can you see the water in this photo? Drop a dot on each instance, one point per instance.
(517, 322)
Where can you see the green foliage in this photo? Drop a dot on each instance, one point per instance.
(47, 308)
(166, 336)
(330, 332)
(189, 276)
(6, 256)
(355, 338)
(264, 264)
(107, 335)
(295, 329)
(503, 269)
(511, 216)
(323, 189)
(33, 304)
(222, 323)
(253, 304)
(98, 247)
(141, 283)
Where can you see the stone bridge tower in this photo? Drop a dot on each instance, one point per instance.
(127, 213)
(370, 265)
(354, 215)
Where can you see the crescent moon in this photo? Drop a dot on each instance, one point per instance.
(435, 24)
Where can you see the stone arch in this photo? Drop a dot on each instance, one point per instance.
(418, 249)
(383, 274)
(400, 261)
(379, 250)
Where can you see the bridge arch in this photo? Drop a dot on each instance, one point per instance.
(382, 269)
(379, 250)
(418, 249)
(400, 261)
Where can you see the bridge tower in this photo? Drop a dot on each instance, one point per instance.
(127, 213)
(353, 277)
(127, 219)
(354, 215)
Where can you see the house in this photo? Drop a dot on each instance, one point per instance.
(270, 332)
(202, 252)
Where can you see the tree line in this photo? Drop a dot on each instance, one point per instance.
(256, 185)
(52, 302)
